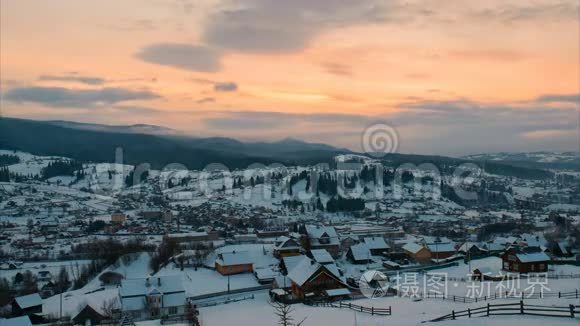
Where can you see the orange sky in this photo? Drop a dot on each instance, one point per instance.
(369, 59)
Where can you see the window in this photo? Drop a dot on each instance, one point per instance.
(533, 267)
(173, 310)
(506, 265)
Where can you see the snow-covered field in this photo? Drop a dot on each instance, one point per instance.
(258, 312)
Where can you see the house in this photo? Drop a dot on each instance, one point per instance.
(377, 245)
(157, 214)
(43, 276)
(88, 316)
(525, 261)
(359, 254)
(559, 249)
(265, 275)
(323, 237)
(441, 250)
(321, 256)
(417, 252)
(186, 239)
(229, 263)
(494, 247)
(118, 218)
(312, 280)
(152, 298)
(27, 305)
(285, 246)
(472, 249)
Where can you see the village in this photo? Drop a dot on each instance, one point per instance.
(93, 249)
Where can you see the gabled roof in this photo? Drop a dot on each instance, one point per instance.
(233, 258)
(27, 301)
(532, 257)
(321, 256)
(441, 247)
(316, 232)
(413, 247)
(308, 268)
(376, 243)
(360, 252)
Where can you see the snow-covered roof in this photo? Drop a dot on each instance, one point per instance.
(17, 321)
(233, 258)
(376, 243)
(412, 247)
(360, 252)
(28, 301)
(291, 261)
(265, 273)
(322, 256)
(337, 292)
(441, 247)
(307, 268)
(141, 287)
(532, 257)
(316, 232)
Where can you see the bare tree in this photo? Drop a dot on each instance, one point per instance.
(284, 313)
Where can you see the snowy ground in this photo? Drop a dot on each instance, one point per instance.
(405, 312)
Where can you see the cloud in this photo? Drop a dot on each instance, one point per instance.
(182, 56)
(562, 98)
(88, 80)
(225, 87)
(205, 100)
(553, 11)
(75, 98)
(281, 26)
(337, 69)
(488, 55)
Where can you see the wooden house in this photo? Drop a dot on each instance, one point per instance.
(229, 263)
(27, 305)
(525, 261)
(312, 280)
(417, 252)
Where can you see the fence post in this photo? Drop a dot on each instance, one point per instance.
(559, 294)
(521, 307)
(453, 301)
(372, 310)
(576, 293)
(572, 310)
(453, 314)
(391, 311)
(469, 312)
(488, 309)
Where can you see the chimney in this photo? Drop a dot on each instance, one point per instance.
(312, 262)
(147, 282)
(159, 281)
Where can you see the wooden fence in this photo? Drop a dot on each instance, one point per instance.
(354, 307)
(510, 309)
(455, 298)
